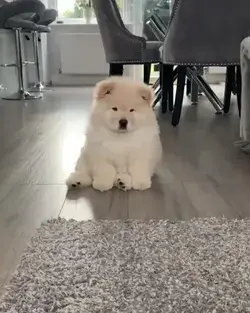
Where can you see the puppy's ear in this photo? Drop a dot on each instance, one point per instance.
(147, 94)
(103, 88)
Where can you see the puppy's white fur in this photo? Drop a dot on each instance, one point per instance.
(112, 156)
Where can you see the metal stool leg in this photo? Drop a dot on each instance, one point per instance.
(38, 87)
(21, 94)
(156, 84)
(215, 101)
(195, 90)
(158, 95)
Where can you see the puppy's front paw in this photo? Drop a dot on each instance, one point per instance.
(102, 185)
(123, 181)
(78, 179)
(141, 183)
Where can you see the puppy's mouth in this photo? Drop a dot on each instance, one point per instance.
(122, 130)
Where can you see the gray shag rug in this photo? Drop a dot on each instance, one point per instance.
(201, 265)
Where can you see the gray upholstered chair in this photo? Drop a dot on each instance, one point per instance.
(204, 33)
(120, 45)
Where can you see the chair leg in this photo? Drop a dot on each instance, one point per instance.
(194, 92)
(170, 84)
(188, 88)
(234, 87)
(230, 73)
(179, 95)
(164, 89)
(238, 87)
(115, 69)
(166, 78)
(146, 72)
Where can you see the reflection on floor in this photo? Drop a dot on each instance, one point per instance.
(203, 174)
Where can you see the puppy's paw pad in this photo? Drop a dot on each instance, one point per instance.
(123, 182)
(120, 185)
(78, 179)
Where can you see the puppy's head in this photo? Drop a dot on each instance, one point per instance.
(122, 105)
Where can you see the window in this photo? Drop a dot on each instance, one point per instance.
(71, 9)
(82, 9)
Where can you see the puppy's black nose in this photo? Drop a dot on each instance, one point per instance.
(123, 123)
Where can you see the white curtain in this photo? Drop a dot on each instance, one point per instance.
(133, 17)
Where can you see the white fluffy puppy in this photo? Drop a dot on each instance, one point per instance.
(122, 146)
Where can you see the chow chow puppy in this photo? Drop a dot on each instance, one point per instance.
(122, 147)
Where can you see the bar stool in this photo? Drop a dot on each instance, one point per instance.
(48, 17)
(14, 16)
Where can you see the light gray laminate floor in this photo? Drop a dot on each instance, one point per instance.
(202, 174)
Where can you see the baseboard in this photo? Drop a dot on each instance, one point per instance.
(215, 78)
(91, 80)
(76, 80)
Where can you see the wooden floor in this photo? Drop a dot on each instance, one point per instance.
(203, 173)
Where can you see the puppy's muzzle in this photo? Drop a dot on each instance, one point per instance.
(123, 123)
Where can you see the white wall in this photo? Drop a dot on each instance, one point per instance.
(76, 55)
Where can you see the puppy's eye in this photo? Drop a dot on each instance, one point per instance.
(114, 109)
(108, 92)
(132, 110)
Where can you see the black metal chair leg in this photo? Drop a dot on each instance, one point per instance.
(146, 72)
(115, 69)
(194, 92)
(234, 87)
(188, 88)
(164, 88)
(170, 86)
(238, 88)
(230, 73)
(179, 95)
